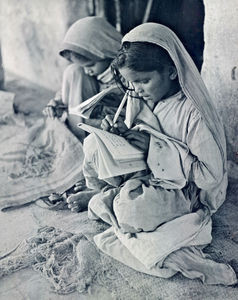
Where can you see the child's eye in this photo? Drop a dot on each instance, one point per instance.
(89, 65)
(145, 81)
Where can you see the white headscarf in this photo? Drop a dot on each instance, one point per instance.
(189, 78)
(92, 37)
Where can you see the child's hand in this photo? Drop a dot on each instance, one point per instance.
(54, 108)
(49, 110)
(118, 128)
(107, 123)
(138, 139)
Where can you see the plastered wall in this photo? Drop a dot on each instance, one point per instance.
(31, 32)
(220, 66)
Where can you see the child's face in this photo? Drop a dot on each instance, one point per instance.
(92, 68)
(151, 85)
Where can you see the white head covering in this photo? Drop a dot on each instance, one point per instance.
(189, 78)
(92, 37)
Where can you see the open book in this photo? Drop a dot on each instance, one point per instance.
(116, 155)
(85, 108)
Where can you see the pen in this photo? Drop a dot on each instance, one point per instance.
(120, 108)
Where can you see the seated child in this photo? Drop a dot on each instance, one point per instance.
(90, 44)
(160, 218)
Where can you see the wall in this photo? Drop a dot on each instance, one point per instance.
(33, 29)
(1, 71)
(220, 67)
(184, 17)
(31, 32)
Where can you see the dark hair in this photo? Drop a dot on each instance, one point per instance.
(67, 54)
(140, 57)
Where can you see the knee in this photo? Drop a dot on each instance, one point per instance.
(89, 147)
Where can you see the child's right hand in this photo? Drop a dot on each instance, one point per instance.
(54, 109)
(49, 110)
(119, 127)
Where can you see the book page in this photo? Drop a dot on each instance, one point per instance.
(119, 147)
(108, 167)
(85, 108)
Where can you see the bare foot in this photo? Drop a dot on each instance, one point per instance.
(80, 186)
(79, 202)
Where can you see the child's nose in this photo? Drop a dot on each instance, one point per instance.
(138, 88)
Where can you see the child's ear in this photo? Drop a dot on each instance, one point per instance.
(173, 73)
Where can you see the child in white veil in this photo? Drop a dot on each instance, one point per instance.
(166, 209)
(90, 44)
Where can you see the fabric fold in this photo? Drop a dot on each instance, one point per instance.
(37, 161)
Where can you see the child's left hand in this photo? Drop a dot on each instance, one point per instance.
(138, 139)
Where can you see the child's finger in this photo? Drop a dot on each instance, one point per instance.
(109, 120)
(76, 209)
(105, 125)
(132, 135)
(71, 199)
(44, 112)
(121, 126)
(73, 205)
(80, 183)
(138, 140)
(52, 102)
(78, 188)
(51, 113)
(55, 197)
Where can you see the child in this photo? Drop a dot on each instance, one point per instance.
(90, 44)
(161, 217)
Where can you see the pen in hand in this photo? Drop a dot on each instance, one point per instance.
(118, 128)
(120, 108)
(114, 128)
(114, 125)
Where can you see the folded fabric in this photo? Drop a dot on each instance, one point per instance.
(143, 207)
(37, 160)
(172, 247)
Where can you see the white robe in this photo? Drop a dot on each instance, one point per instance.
(159, 214)
(161, 221)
